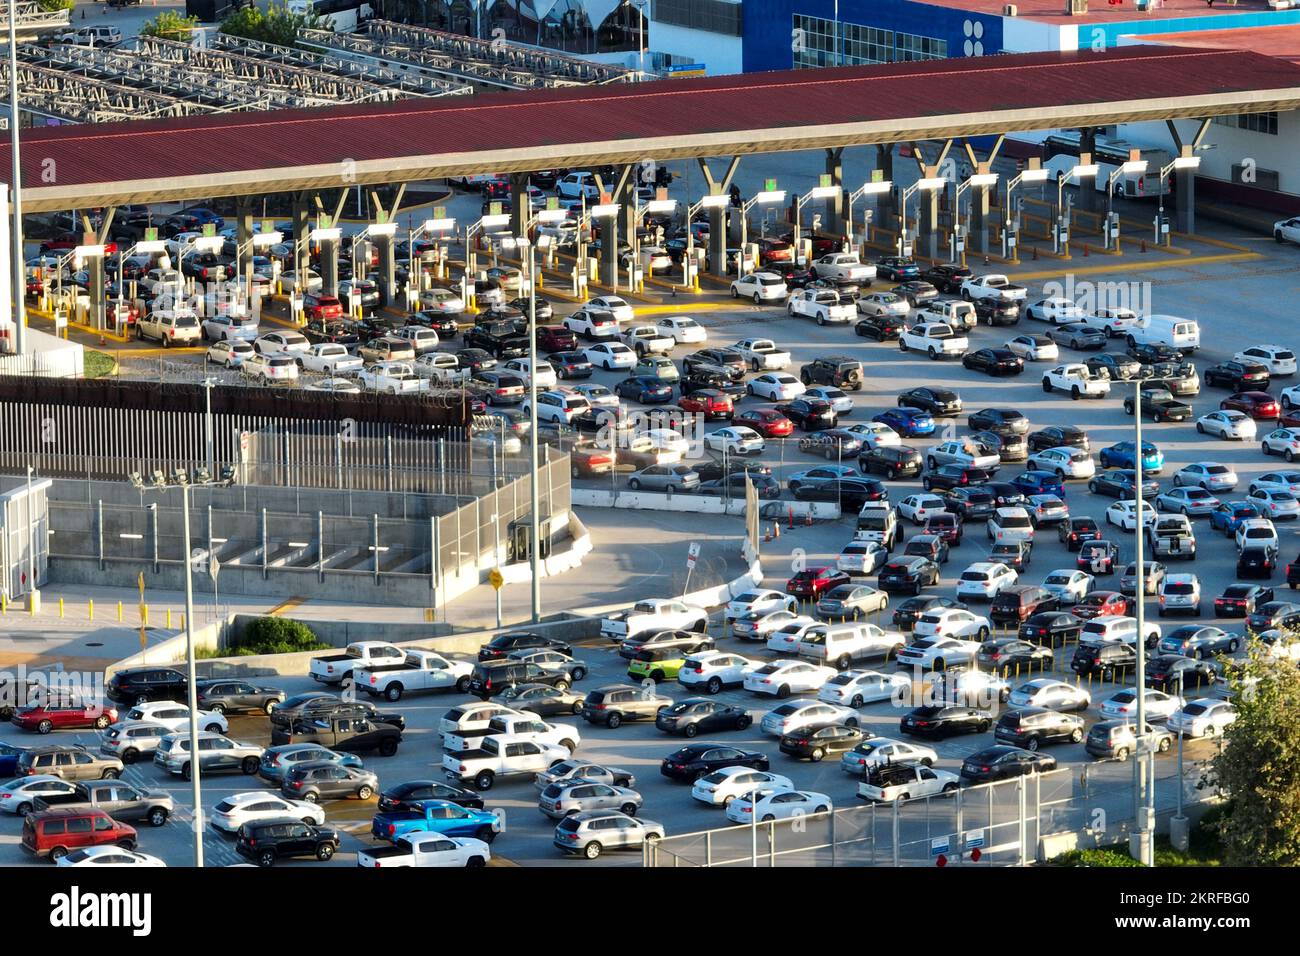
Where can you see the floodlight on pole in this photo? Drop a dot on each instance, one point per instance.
(978, 180)
(1186, 162)
(605, 210)
(494, 221)
(874, 188)
(332, 234)
(260, 240)
(716, 201)
(1133, 167)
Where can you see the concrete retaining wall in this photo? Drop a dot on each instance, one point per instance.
(699, 504)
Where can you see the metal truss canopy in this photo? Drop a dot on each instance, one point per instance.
(251, 153)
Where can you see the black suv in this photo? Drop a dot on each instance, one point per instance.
(1073, 532)
(838, 370)
(1020, 602)
(1104, 660)
(879, 327)
(1031, 727)
(226, 695)
(492, 677)
(996, 312)
(1056, 436)
(266, 841)
(946, 278)
(503, 645)
(892, 461)
(1051, 628)
(945, 721)
(136, 685)
(947, 477)
(696, 760)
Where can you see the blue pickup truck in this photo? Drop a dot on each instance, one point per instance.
(437, 816)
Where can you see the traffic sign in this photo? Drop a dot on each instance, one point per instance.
(214, 567)
(496, 579)
(974, 839)
(769, 185)
(825, 180)
(692, 553)
(151, 234)
(939, 846)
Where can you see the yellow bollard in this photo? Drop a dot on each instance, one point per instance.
(92, 610)
(182, 620)
(169, 619)
(119, 612)
(4, 604)
(60, 609)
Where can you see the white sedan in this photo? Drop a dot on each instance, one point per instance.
(766, 806)
(681, 329)
(229, 352)
(523, 367)
(443, 301)
(760, 287)
(273, 343)
(735, 440)
(884, 303)
(1230, 425)
(17, 795)
(598, 396)
(1123, 704)
(875, 751)
(799, 715)
(1050, 694)
(1034, 348)
(1282, 441)
(240, 808)
(775, 386)
(938, 652)
(855, 688)
(175, 717)
(759, 600)
(107, 856)
(1069, 586)
(611, 303)
(971, 687)
(839, 400)
(1203, 717)
(876, 435)
(785, 640)
(782, 678)
(667, 439)
(1123, 514)
(719, 788)
(610, 355)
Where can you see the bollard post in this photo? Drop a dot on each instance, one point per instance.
(119, 612)
(4, 604)
(92, 609)
(60, 609)
(169, 619)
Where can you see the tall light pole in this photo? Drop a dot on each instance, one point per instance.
(765, 198)
(978, 179)
(1180, 162)
(817, 192)
(1034, 173)
(928, 185)
(653, 206)
(16, 190)
(874, 188)
(1086, 169)
(438, 227)
(1132, 168)
(1144, 812)
(640, 9)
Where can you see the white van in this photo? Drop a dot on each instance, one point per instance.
(957, 313)
(1171, 330)
(839, 645)
(1117, 629)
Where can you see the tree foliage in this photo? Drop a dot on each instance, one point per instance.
(1259, 768)
(170, 25)
(52, 5)
(277, 24)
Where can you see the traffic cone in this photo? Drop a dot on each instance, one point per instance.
(767, 536)
(1085, 250)
(807, 519)
(776, 529)
(986, 258)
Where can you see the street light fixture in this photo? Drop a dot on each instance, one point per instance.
(1034, 174)
(874, 188)
(1179, 162)
(439, 227)
(1081, 171)
(712, 201)
(817, 192)
(653, 206)
(1132, 168)
(927, 185)
(978, 179)
(764, 198)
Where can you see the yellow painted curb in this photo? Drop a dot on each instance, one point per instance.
(1130, 265)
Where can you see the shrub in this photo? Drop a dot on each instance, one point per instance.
(276, 635)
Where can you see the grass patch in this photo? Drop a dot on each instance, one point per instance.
(1203, 849)
(98, 364)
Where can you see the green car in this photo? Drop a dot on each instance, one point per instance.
(657, 366)
(656, 664)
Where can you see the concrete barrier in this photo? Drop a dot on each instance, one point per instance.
(697, 504)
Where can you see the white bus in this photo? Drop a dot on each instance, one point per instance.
(1063, 148)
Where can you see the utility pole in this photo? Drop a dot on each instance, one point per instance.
(16, 192)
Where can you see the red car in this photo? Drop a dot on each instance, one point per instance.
(774, 250)
(814, 581)
(1258, 405)
(589, 459)
(556, 338)
(1100, 604)
(54, 833)
(708, 402)
(322, 307)
(768, 422)
(44, 718)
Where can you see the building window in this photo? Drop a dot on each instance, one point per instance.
(714, 16)
(1255, 122)
(909, 46)
(814, 44)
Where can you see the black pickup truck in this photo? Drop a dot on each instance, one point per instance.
(316, 705)
(340, 733)
(499, 339)
(1160, 405)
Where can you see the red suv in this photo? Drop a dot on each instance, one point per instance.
(709, 402)
(53, 834)
(1258, 405)
(43, 718)
(556, 338)
(812, 582)
(322, 307)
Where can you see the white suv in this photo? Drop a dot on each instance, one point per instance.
(1010, 525)
(714, 670)
(984, 580)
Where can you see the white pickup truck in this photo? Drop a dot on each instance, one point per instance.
(1079, 380)
(442, 368)
(935, 339)
(844, 265)
(524, 726)
(425, 849)
(762, 354)
(824, 305)
(422, 670)
(648, 340)
(501, 756)
(393, 378)
(992, 286)
(654, 614)
(329, 358)
(337, 667)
